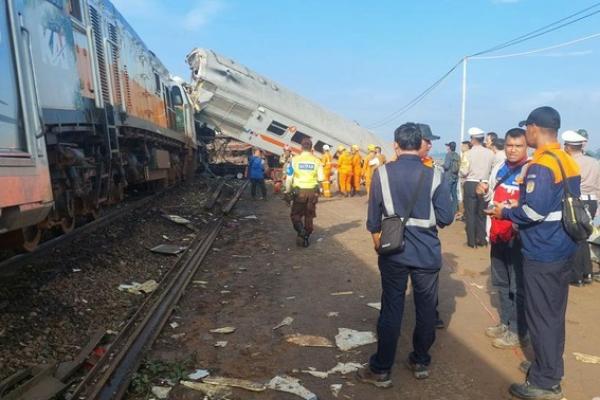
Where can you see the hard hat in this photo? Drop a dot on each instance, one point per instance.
(354, 147)
(476, 132)
(326, 147)
(341, 148)
(572, 137)
(371, 147)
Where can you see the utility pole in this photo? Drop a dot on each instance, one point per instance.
(464, 100)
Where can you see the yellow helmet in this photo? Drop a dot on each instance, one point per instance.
(371, 147)
(355, 147)
(341, 148)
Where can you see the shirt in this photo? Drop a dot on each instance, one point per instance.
(539, 214)
(451, 157)
(590, 174)
(499, 157)
(256, 168)
(432, 208)
(479, 166)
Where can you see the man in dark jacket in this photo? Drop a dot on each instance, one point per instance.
(451, 168)
(257, 166)
(421, 258)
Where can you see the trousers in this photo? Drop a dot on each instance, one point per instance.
(304, 210)
(546, 287)
(394, 278)
(507, 278)
(258, 183)
(475, 218)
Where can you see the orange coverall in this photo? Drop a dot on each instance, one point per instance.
(345, 172)
(356, 171)
(326, 161)
(368, 170)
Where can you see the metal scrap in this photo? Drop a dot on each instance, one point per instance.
(237, 383)
(169, 249)
(308, 340)
(224, 330)
(348, 339)
(587, 358)
(287, 321)
(291, 385)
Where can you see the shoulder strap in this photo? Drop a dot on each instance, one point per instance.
(562, 172)
(385, 190)
(509, 173)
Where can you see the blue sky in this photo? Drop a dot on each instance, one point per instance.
(364, 60)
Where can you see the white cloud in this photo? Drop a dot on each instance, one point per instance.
(202, 14)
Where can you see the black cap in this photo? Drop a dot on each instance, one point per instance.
(426, 132)
(544, 117)
(451, 145)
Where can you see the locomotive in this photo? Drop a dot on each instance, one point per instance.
(86, 110)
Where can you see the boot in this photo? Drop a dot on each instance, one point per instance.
(528, 391)
(509, 340)
(383, 380)
(306, 241)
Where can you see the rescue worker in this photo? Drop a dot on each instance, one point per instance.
(548, 252)
(380, 156)
(505, 254)
(479, 165)
(285, 157)
(421, 258)
(356, 169)
(369, 165)
(304, 185)
(344, 170)
(590, 191)
(326, 161)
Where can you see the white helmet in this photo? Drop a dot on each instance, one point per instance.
(325, 147)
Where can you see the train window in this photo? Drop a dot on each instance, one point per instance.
(157, 83)
(75, 9)
(277, 128)
(319, 146)
(298, 136)
(12, 135)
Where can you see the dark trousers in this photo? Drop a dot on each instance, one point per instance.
(260, 183)
(304, 210)
(453, 182)
(507, 278)
(582, 263)
(474, 216)
(546, 287)
(394, 279)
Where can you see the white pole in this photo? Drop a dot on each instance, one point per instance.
(464, 101)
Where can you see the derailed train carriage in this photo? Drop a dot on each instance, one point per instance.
(86, 109)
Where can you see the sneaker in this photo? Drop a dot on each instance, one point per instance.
(420, 371)
(524, 366)
(587, 279)
(577, 283)
(365, 375)
(439, 324)
(496, 331)
(529, 391)
(305, 241)
(509, 340)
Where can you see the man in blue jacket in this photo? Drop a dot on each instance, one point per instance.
(421, 258)
(257, 166)
(547, 252)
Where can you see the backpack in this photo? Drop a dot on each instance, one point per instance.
(455, 164)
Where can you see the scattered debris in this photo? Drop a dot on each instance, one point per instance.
(213, 392)
(139, 288)
(178, 336)
(170, 249)
(291, 385)
(341, 293)
(376, 306)
(340, 368)
(332, 314)
(221, 343)
(480, 287)
(225, 291)
(165, 237)
(287, 321)
(250, 217)
(587, 358)
(237, 383)
(335, 389)
(198, 374)
(161, 392)
(317, 374)
(177, 219)
(224, 330)
(76, 270)
(308, 340)
(348, 339)
(174, 325)
(291, 298)
(204, 283)
(320, 239)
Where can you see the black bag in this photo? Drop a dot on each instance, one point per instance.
(392, 225)
(575, 217)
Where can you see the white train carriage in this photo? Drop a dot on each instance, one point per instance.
(237, 102)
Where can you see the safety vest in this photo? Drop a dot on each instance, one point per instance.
(308, 170)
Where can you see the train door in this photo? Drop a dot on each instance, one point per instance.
(12, 129)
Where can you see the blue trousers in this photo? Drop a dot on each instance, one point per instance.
(453, 182)
(394, 278)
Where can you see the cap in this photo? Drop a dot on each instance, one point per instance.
(341, 148)
(544, 117)
(476, 132)
(572, 137)
(450, 144)
(371, 147)
(326, 147)
(583, 133)
(355, 147)
(426, 132)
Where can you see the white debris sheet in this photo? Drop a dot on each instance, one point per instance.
(287, 321)
(376, 306)
(198, 374)
(237, 383)
(224, 330)
(340, 368)
(308, 340)
(161, 392)
(335, 389)
(587, 358)
(177, 219)
(291, 385)
(348, 339)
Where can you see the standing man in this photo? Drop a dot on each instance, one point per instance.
(547, 252)
(380, 156)
(369, 165)
(489, 139)
(257, 166)
(326, 160)
(451, 168)
(505, 254)
(497, 148)
(304, 184)
(356, 169)
(479, 165)
(344, 170)
(590, 191)
(421, 258)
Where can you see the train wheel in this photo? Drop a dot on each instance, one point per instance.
(30, 238)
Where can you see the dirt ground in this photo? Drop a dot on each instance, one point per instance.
(256, 276)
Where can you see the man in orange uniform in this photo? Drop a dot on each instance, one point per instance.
(326, 160)
(356, 169)
(344, 170)
(369, 166)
